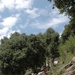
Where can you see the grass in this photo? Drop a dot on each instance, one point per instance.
(63, 61)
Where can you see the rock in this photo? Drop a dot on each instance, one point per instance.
(69, 73)
(73, 60)
(71, 69)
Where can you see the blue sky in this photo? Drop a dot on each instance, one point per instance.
(30, 17)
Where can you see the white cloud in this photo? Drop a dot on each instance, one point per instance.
(8, 4)
(1, 6)
(54, 21)
(7, 34)
(7, 24)
(15, 4)
(3, 31)
(32, 12)
(36, 12)
(11, 32)
(20, 4)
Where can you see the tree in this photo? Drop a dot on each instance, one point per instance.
(69, 45)
(67, 50)
(52, 41)
(21, 52)
(36, 52)
(68, 31)
(67, 6)
(13, 55)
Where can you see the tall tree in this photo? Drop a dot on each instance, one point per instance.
(37, 52)
(68, 31)
(67, 6)
(13, 55)
(52, 41)
(21, 52)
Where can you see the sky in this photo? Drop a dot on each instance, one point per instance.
(30, 17)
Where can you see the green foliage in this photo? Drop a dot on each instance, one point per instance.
(70, 45)
(37, 52)
(12, 55)
(21, 52)
(52, 41)
(67, 50)
(68, 31)
(67, 6)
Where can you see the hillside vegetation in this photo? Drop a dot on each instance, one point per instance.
(21, 53)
